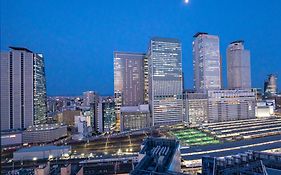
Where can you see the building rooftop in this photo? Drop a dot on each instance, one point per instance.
(237, 41)
(42, 148)
(140, 108)
(159, 154)
(173, 40)
(250, 162)
(20, 48)
(44, 127)
(200, 33)
(128, 53)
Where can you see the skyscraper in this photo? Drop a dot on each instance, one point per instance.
(206, 62)
(238, 66)
(89, 97)
(165, 80)
(23, 89)
(91, 100)
(128, 81)
(270, 85)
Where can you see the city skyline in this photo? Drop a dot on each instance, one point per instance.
(64, 62)
(140, 87)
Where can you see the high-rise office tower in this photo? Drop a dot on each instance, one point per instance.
(23, 89)
(128, 81)
(206, 62)
(238, 66)
(270, 85)
(165, 80)
(89, 97)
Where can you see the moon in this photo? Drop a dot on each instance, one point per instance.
(186, 1)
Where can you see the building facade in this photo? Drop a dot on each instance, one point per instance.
(196, 107)
(226, 105)
(135, 117)
(238, 66)
(270, 85)
(165, 80)
(89, 97)
(108, 115)
(128, 80)
(11, 138)
(206, 62)
(44, 133)
(23, 89)
(41, 152)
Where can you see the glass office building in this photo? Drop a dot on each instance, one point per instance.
(165, 80)
(206, 62)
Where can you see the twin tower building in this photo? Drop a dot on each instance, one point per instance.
(148, 87)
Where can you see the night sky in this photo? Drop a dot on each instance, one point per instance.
(78, 37)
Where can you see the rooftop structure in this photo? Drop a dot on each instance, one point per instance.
(44, 133)
(158, 156)
(251, 162)
(41, 152)
(244, 129)
(270, 85)
(42, 148)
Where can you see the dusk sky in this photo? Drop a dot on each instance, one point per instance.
(78, 37)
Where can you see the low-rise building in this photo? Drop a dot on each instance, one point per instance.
(83, 130)
(44, 133)
(158, 156)
(11, 138)
(226, 105)
(67, 117)
(134, 117)
(265, 108)
(196, 107)
(258, 163)
(41, 152)
(43, 169)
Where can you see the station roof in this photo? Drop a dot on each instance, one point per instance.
(42, 148)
